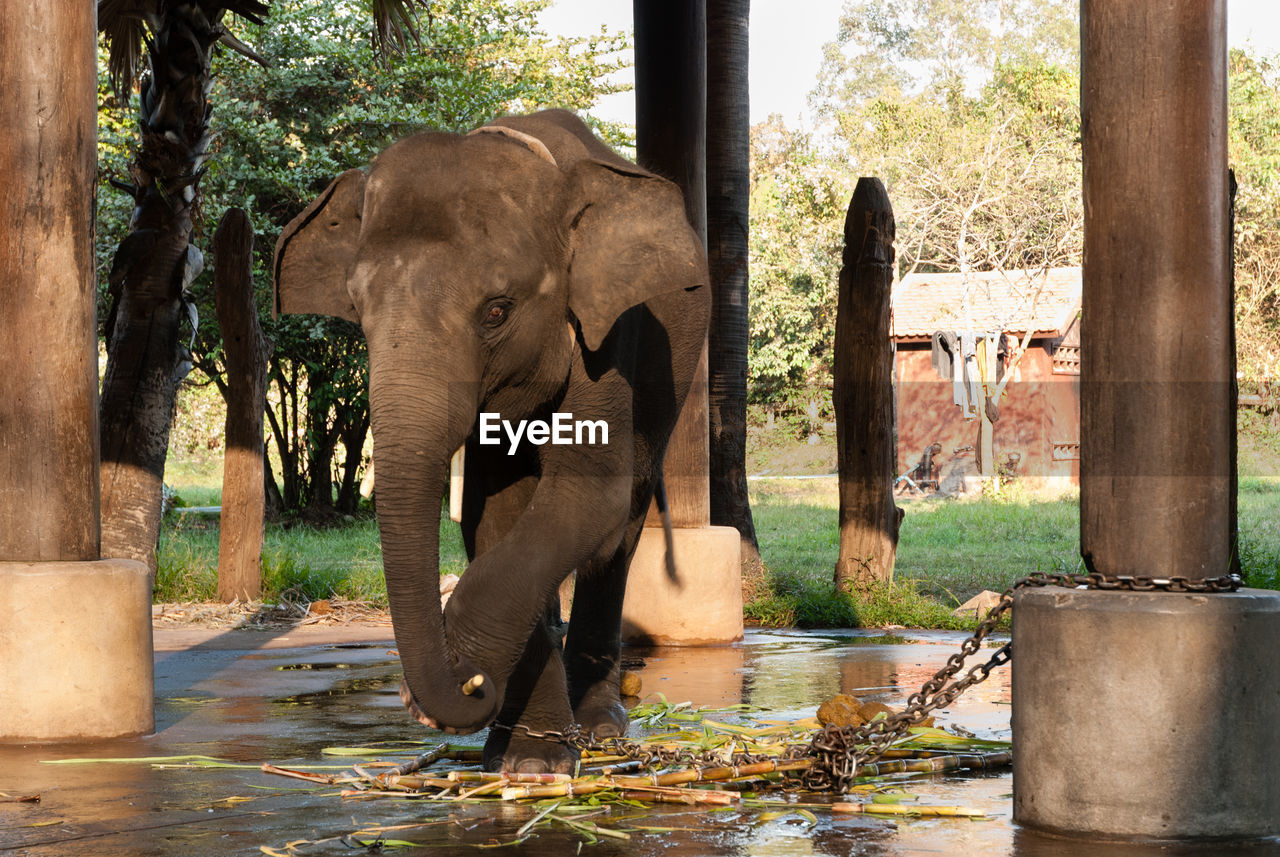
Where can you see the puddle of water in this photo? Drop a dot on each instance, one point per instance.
(288, 705)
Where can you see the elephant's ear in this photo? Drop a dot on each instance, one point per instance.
(316, 249)
(629, 241)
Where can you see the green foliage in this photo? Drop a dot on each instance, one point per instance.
(1254, 141)
(940, 47)
(797, 211)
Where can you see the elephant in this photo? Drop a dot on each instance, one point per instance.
(523, 271)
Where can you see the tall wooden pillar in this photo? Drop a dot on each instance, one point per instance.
(702, 603)
(75, 643)
(1188, 683)
(671, 135)
(48, 335)
(1157, 405)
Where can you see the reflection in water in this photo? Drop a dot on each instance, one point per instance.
(1031, 843)
(710, 677)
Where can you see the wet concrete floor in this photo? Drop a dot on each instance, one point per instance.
(254, 696)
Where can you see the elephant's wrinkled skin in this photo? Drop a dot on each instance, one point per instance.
(520, 274)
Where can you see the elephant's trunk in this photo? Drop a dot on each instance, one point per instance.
(417, 424)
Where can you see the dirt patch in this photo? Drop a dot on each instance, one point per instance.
(255, 615)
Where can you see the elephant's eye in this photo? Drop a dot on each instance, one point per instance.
(496, 315)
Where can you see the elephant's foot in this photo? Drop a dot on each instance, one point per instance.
(601, 713)
(528, 752)
(595, 696)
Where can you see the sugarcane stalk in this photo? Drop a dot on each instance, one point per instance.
(466, 755)
(901, 809)
(413, 783)
(955, 762)
(591, 828)
(322, 779)
(707, 775)
(479, 791)
(560, 789)
(624, 768)
(428, 758)
(595, 761)
(690, 797)
(509, 776)
(374, 794)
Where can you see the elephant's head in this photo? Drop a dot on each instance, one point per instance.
(476, 265)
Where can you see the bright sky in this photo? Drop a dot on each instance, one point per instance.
(787, 38)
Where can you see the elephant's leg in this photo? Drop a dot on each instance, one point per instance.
(536, 701)
(593, 650)
(578, 510)
(497, 491)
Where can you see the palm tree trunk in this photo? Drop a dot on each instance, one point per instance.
(154, 264)
(728, 189)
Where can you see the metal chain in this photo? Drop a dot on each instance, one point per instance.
(838, 751)
(647, 755)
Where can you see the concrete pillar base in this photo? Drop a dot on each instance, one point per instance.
(1147, 714)
(702, 607)
(76, 659)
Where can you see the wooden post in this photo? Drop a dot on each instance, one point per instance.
(246, 349)
(1157, 413)
(702, 603)
(75, 641)
(1173, 671)
(48, 335)
(863, 392)
(671, 86)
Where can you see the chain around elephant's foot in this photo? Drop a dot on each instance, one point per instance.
(527, 750)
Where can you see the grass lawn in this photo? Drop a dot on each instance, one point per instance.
(948, 551)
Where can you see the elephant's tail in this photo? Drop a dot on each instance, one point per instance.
(660, 498)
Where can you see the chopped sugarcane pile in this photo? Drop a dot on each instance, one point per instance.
(744, 765)
(727, 764)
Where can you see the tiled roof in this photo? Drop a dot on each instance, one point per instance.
(1008, 301)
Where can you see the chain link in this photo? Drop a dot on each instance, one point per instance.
(838, 751)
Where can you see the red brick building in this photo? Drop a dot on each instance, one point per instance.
(956, 335)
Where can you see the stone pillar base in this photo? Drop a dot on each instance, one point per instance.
(1147, 714)
(76, 659)
(702, 606)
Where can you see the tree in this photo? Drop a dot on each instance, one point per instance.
(796, 214)
(941, 47)
(988, 181)
(728, 197)
(1254, 141)
(156, 261)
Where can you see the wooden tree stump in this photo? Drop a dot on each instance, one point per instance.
(863, 392)
(246, 352)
